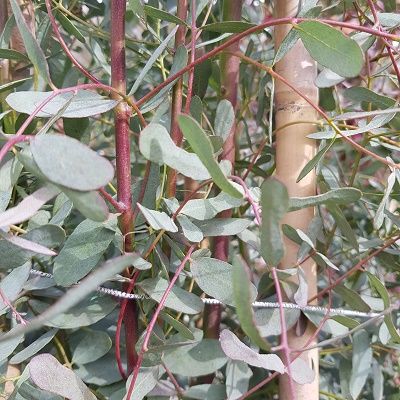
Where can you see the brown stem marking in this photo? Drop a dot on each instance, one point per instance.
(123, 158)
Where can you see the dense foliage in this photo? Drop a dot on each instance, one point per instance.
(70, 212)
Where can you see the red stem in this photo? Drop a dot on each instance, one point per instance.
(248, 197)
(121, 315)
(177, 96)
(153, 321)
(123, 158)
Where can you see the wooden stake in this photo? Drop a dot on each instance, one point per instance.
(293, 151)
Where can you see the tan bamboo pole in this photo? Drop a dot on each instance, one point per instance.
(293, 151)
(229, 67)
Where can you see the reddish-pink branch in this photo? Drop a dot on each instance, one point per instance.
(387, 45)
(348, 139)
(64, 45)
(153, 321)
(120, 207)
(356, 267)
(248, 197)
(236, 38)
(11, 143)
(14, 311)
(192, 57)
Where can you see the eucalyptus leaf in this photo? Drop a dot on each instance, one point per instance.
(35, 53)
(223, 226)
(84, 103)
(70, 163)
(162, 15)
(190, 230)
(13, 283)
(48, 235)
(156, 145)
(47, 373)
(82, 252)
(27, 244)
(336, 196)
(238, 375)
(179, 299)
(34, 347)
(352, 298)
(28, 207)
(76, 294)
(7, 346)
(202, 209)
(361, 362)
(9, 172)
(384, 295)
(94, 344)
(327, 45)
(236, 350)
(243, 298)
(275, 203)
(156, 54)
(214, 277)
(201, 145)
(146, 380)
(198, 359)
(224, 119)
(158, 219)
(377, 122)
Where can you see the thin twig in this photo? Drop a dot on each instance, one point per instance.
(284, 346)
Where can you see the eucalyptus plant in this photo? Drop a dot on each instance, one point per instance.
(199, 199)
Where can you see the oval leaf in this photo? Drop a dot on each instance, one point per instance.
(236, 350)
(275, 202)
(70, 163)
(331, 48)
(48, 374)
(179, 299)
(156, 145)
(82, 103)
